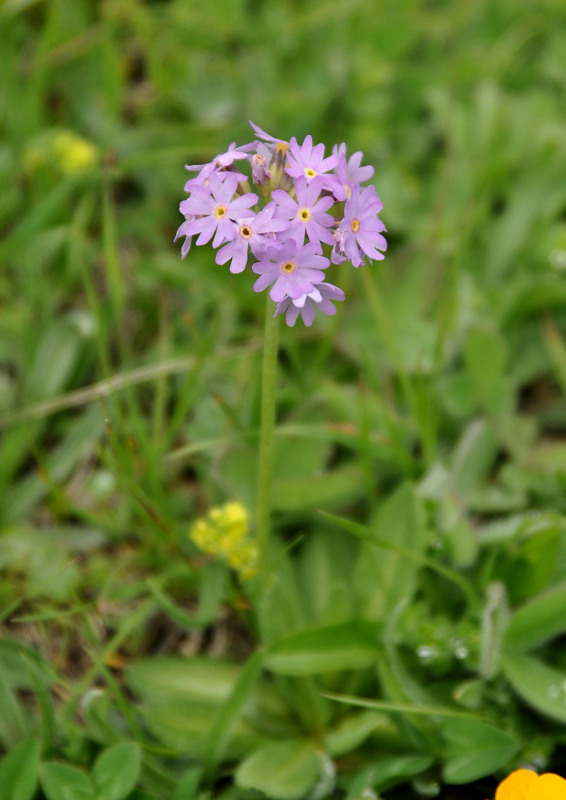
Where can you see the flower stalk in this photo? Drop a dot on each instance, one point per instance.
(266, 438)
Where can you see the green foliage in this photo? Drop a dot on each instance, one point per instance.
(285, 769)
(412, 634)
(18, 771)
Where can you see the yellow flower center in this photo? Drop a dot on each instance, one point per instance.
(288, 267)
(348, 191)
(310, 172)
(219, 212)
(305, 214)
(245, 231)
(355, 225)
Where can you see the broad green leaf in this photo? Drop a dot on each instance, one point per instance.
(473, 456)
(326, 558)
(63, 782)
(188, 785)
(388, 771)
(541, 686)
(116, 771)
(537, 560)
(457, 531)
(383, 578)
(351, 645)
(79, 443)
(354, 729)
(184, 727)
(56, 357)
(283, 770)
(231, 710)
(15, 722)
(383, 543)
(331, 489)
(18, 771)
(280, 607)
(46, 708)
(171, 678)
(538, 621)
(486, 357)
(98, 707)
(474, 749)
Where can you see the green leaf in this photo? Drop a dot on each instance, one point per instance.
(100, 716)
(330, 489)
(188, 785)
(473, 456)
(368, 535)
(325, 561)
(45, 705)
(231, 710)
(538, 621)
(386, 772)
(56, 357)
(486, 357)
(116, 771)
(283, 770)
(351, 645)
(173, 678)
(383, 578)
(62, 782)
(14, 721)
(399, 708)
(184, 727)
(18, 771)
(538, 684)
(474, 749)
(354, 729)
(178, 616)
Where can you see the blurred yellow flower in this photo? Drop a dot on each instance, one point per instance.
(63, 151)
(526, 785)
(73, 153)
(225, 533)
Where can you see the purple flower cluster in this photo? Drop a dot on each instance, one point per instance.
(307, 212)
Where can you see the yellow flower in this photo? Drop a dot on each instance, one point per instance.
(74, 154)
(225, 532)
(526, 785)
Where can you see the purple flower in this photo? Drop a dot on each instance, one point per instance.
(359, 232)
(181, 231)
(308, 161)
(213, 207)
(292, 268)
(268, 147)
(348, 173)
(307, 213)
(219, 163)
(261, 134)
(224, 159)
(321, 298)
(256, 232)
(308, 201)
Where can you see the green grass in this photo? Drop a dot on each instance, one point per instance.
(411, 640)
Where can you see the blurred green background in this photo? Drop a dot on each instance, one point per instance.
(129, 378)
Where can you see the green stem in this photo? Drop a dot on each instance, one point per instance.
(267, 428)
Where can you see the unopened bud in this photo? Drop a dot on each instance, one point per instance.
(260, 172)
(338, 255)
(280, 179)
